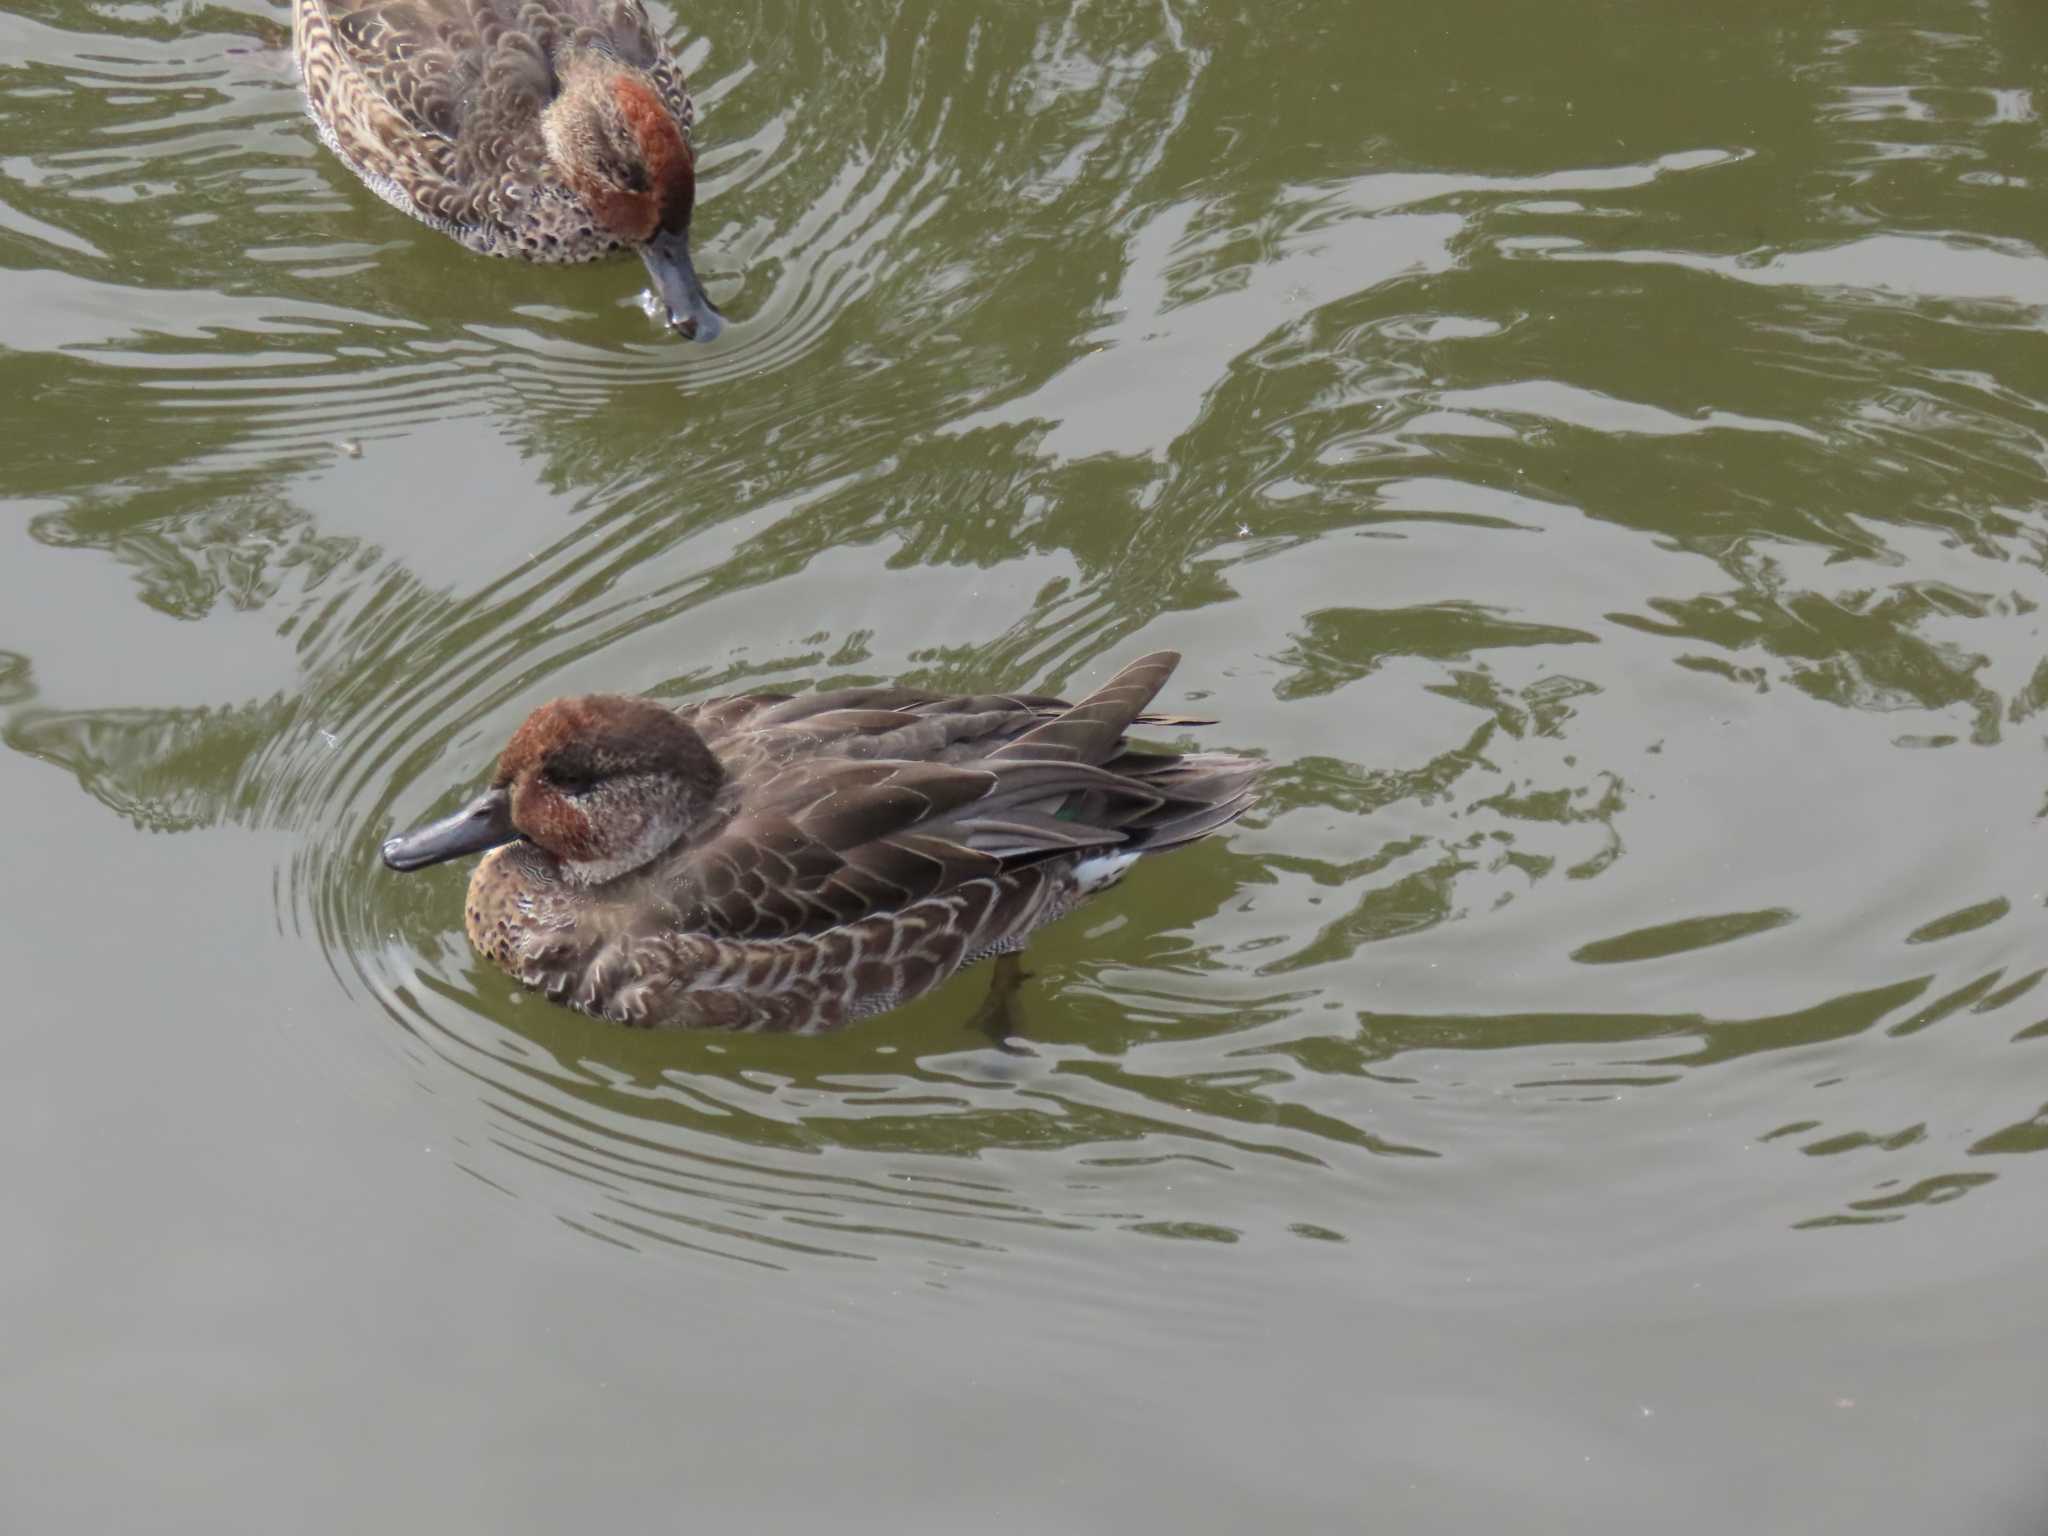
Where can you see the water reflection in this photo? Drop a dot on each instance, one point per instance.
(1630, 564)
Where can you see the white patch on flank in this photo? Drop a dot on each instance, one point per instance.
(1102, 871)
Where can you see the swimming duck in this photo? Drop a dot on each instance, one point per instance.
(553, 130)
(778, 862)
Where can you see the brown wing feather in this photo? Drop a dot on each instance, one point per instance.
(860, 801)
(436, 53)
(829, 843)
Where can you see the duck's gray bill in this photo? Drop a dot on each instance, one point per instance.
(485, 823)
(676, 285)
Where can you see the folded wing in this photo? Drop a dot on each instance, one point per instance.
(868, 800)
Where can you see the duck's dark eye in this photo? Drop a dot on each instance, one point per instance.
(570, 773)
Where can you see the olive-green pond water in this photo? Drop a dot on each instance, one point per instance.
(1597, 454)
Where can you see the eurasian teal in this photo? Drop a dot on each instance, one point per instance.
(773, 862)
(553, 130)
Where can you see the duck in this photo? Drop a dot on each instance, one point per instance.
(549, 130)
(793, 862)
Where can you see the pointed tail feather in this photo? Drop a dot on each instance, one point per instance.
(1202, 792)
(1090, 731)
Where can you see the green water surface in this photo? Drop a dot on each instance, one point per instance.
(1594, 453)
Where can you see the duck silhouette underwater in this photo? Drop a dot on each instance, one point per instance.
(777, 862)
(551, 130)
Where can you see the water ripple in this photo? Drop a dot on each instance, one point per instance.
(1585, 674)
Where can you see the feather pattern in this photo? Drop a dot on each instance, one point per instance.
(839, 853)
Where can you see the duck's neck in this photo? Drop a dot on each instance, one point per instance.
(656, 839)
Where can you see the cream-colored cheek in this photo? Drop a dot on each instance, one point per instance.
(633, 836)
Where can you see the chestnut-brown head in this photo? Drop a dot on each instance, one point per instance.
(613, 141)
(603, 783)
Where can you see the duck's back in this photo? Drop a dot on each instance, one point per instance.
(964, 820)
(437, 105)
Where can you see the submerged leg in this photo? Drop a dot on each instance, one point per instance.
(997, 1018)
(271, 36)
